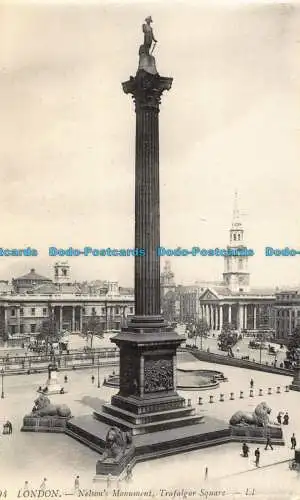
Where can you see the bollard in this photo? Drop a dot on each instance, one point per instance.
(222, 398)
(200, 401)
(211, 399)
(241, 394)
(232, 396)
(189, 402)
(269, 391)
(251, 393)
(260, 392)
(278, 390)
(287, 389)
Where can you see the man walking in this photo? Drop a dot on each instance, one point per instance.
(251, 383)
(257, 457)
(268, 443)
(206, 473)
(76, 485)
(293, 442)
(43, 485)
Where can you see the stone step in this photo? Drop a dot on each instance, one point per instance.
(146, 428)
(138, 419)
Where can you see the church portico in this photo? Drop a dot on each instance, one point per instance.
(241, 314)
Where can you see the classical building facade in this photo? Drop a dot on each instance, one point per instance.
(286, 313)
(33, 299)
(234, 301)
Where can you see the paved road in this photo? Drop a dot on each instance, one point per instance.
(242, 349)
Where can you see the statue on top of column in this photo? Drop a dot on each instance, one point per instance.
(148, 36)
(147, 61)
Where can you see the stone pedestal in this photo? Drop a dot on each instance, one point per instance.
(295, 385)
(52, 385)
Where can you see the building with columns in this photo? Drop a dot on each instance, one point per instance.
(286, 313)
(33, 299)
(234, 301)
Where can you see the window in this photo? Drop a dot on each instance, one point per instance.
(131, 310)
(21, 328)
(234, 237)
(13, 312)
(21, 311)
(117, 310)
(33, 311)
(64, 272)
(13, 329)
(83, 310)
(44, 311)
(93, 310)
(33, 328)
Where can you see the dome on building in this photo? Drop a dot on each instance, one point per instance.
(28, 281)
(32, 276)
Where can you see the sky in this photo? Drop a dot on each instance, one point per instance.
(231, 121)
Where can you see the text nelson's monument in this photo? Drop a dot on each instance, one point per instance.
(147, 418)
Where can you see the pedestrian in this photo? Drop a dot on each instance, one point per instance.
(257, 457)
(93, 379)
(286, 419)
(251, 383)
(10, 427)
(43, 485)
(293, 442)
(279, 420)
(108, 481)
(268, 443)
(76, 484)
(128, 474)
(26, 486)
(245, 450)
(206, 473)
(66, 379)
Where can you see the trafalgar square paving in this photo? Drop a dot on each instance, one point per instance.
(26, 456)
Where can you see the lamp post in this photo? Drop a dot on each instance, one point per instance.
(98, 385)
(2, 383)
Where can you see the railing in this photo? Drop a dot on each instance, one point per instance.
(73, 360)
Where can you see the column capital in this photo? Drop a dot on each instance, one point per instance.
(146, 89)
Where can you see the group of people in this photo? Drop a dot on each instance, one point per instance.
(283, 418)
(7, 427)
(246, 449)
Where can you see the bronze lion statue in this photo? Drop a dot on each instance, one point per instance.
(116, 443)
(44, 408)
(260, 417)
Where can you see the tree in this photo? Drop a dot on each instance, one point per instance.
(201, 329)
(93, 327)
(293, 344)
(3, 330)
(48, 331)
(227, 337)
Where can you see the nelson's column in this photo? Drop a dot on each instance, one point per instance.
(147, 418)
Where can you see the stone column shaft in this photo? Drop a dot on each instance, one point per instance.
(73, 318)
(221, 318)
(254, 318)
(146, 89)
(147, 222)
(60, 317)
